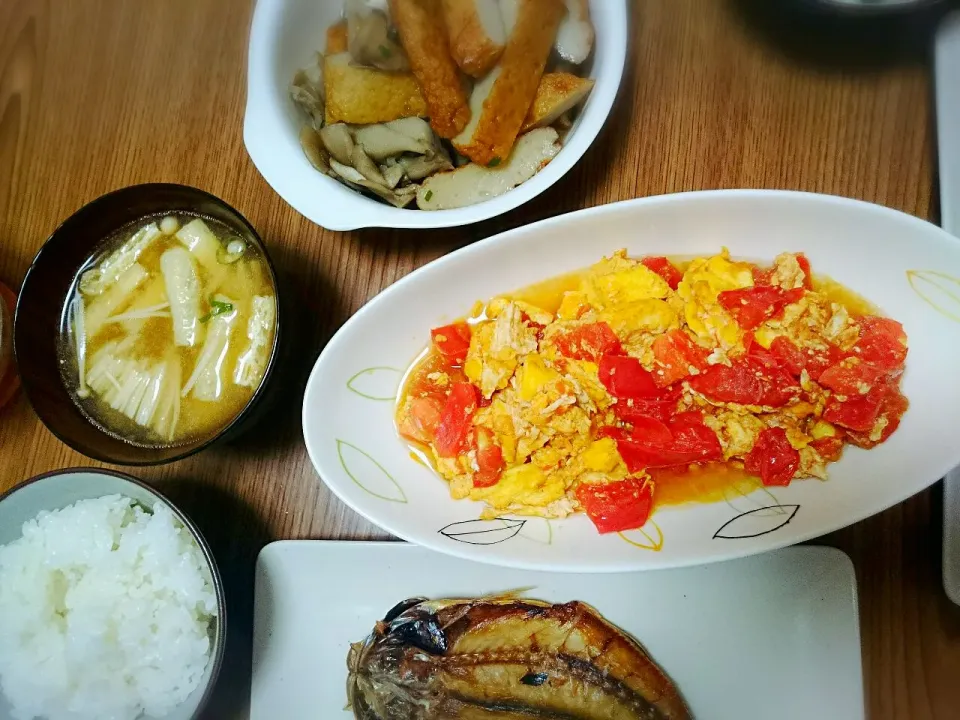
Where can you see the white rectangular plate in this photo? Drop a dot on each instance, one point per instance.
(771, 636)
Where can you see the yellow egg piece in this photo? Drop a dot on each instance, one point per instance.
(601, 456)
(534, 375)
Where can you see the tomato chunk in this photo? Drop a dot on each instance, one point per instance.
(773, 458)
(665, 269)
(851, 377)
(882, 343)
(625, 377)
(748, 381)
(796, 360)
(454, 425)
(421, 418)
(589, 342)
(452, 341)
(751, 306)
(762, 277)
(829, 448)
(804, 264)
(859, 412)
(617, 506)
(489, 460)
(676, 353)
(662, 407)
(681, 441)
(892, 406)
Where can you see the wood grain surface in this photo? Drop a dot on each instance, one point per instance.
(98, 94)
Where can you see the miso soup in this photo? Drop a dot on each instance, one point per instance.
(168, 330)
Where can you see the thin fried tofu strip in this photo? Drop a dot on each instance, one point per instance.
(424, 37)
(363, 96)
(509, 98)
(476, 32)
(336, 39)
(558, 92)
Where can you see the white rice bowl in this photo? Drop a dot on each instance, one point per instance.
(105, 612)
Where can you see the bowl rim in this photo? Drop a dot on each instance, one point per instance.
(217, 655)
(255, 398)
(353, 211)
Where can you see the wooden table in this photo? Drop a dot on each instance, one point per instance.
(99, 94)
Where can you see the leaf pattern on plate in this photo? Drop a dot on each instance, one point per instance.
(538, 530)
(369, 475)
(483, 532)
(376, 383)
(649, 537)
(939, 290)
(746, 496)
(755, 523)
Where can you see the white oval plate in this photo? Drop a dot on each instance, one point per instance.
(908, 267)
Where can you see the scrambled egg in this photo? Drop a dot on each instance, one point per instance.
(544, 408)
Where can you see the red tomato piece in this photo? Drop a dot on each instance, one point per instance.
(748, 382)
(452, 341)
(829, 448)
(690, 441)
(489, 460)
(851, 377)
(796, 360)
(665, 269)
(892, 407)
(804, 264)
(882, 343)
(625, 377)
(773, 458)
(762, 277)
(789, 355)
(662, 408)
(617, 506)
(650, 430)
(421, 418)
(454, 425)
(675, 353)
(751, 306)
(858, 413)
(589, 342)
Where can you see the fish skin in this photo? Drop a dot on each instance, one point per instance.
(486, 660)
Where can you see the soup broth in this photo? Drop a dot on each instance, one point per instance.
(168, 330)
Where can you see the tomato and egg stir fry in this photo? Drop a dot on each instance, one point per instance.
(579, 402)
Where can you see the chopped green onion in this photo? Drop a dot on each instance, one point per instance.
(217, 307)
(428, 195)
(385, 51)
(493, 163)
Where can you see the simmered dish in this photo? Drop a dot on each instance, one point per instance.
(446, 103)
(169, 330)
(640, 382)
(505, 658)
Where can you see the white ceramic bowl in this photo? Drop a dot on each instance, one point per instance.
(283, 37)
(908, 267)
(57, 490)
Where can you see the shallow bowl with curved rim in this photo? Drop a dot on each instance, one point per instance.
(56, 490)
(284, 36)
(907, 267)
(42, 303)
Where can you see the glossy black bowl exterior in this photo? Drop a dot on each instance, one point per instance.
(43, 299)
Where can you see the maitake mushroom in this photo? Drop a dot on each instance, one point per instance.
(386, 159)
(369, 39)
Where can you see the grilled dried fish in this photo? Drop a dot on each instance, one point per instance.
(505, 659)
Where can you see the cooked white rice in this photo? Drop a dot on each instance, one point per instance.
(105, 610)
